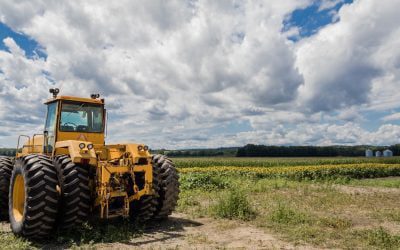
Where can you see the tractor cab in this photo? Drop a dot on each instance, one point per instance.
(74, 118)
(68, 119)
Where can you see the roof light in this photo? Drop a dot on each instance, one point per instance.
(54, 92)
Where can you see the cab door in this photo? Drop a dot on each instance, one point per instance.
(50, 127)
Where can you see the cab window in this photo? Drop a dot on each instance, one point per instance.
(81, 117)
(50, 125)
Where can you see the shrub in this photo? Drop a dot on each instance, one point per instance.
(234, 206)
(283, 214)
(206, 181)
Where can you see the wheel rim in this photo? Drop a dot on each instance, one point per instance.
(18, 198)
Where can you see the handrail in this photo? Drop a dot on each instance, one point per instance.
(33, 142)
(19, 138)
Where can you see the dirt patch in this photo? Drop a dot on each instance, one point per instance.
(366, 190)
(179, 232)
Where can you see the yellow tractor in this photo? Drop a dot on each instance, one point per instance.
(60, 177)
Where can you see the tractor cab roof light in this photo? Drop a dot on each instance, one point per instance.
(54, 92)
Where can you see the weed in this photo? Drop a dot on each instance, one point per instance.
(379, 238)
(204, 181)
(234, 206)
(283, 214)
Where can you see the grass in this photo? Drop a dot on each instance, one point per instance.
(302, 212)
(393, 182)
(86, 237)
(234, 205)
(310, 206)
(379, 238)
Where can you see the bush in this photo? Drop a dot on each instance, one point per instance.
(206, 181)
(234, 206)
(285, 215)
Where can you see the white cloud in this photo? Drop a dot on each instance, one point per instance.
(328, 4)
(343, 63)
(392, 117)
(173, 73)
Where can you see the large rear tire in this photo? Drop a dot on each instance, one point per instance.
(6, 166)
(75, 193)
(33, 199)
(143, 210)
(168, 191)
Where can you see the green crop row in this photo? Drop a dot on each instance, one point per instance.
(278, 162)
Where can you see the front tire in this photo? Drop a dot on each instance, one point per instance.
(33, 198)
(6, 167)
(168, 181)
(75, 192)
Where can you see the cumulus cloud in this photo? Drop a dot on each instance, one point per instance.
(392, 117)
(178, 74)
(328, 4)
(343, 63)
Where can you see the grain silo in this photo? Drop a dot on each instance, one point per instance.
(369, 153)
(387, 153)
(378, 154)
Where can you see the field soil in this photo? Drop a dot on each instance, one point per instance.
(204, 233)
(181, 232)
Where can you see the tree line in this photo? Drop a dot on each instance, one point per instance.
(251, 150)
(211, 152)
(7, 151)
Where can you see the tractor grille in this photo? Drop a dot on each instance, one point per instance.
(142, 161)
(139, 180)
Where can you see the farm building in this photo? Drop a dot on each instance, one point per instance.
(369, 153)
(378, 154)
(387, 153)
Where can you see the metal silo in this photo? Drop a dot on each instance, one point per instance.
(378, 154)
(369, 153)
(387, 153)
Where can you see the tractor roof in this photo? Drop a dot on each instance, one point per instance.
(76, 99)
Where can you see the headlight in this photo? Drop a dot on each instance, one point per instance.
(90, 146)
(146, 148)
(140, 147)
(82, 145)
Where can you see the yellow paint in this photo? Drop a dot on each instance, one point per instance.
(33, 146)
(75, 99)
(94, 138)
(108, 161)
(18, 198)
(76, 154)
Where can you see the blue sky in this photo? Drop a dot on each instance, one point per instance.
(311, 18)
(31, 47)
(300, 72)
